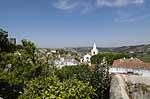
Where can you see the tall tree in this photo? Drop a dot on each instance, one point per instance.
(5, 45)
(3, 40)
(28, 46)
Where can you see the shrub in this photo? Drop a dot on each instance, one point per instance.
(82, 72)
(52, 88)
(98, 78)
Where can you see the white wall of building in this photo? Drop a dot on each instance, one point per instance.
(145, 73)
(87, 58)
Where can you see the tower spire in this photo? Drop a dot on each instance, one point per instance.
(94, 46)
(94, 51)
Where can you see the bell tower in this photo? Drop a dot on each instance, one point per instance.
(94, 51)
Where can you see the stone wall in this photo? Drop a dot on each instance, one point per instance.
(130, 87)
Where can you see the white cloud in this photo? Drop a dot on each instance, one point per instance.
(86, 5)
(65, 4)
(124, 16)
(138, 1)
(118, 3)
(133, 18)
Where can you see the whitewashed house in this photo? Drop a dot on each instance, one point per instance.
(61, 62)
(132, 65)
(87, 58)
(53, 51)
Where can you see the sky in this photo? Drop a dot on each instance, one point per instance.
(76, 23)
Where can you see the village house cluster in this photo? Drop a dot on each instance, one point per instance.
(131, 65)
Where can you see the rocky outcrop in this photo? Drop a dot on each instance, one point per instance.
(130, 87)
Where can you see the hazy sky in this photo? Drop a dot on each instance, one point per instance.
(72, 23)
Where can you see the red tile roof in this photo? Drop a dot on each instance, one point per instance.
(133, 63)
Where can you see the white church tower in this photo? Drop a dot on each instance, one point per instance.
(94, 51)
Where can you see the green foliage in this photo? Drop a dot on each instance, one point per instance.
(82, 72)
(100, 81)
(52, 88)
(8, 91)
(5, 46)
(21, 68)
(109, 57)
(34, 71)
(98, 78)
(28, 46)
(25, 65)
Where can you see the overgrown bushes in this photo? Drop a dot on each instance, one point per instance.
(52, 88)
(98, 78)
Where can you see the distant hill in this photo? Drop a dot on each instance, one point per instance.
(140, 51)
(125, 49)
(136, 49)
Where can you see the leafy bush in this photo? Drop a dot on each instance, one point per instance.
(98, 78)
(82, 72)
(21, 68)
(52, 88)
(24, 66)
(100, 81)
(8, 91)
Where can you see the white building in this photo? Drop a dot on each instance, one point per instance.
(87, 57)
(61, 62)
(53, 51)
(132, 65)
(94, 51)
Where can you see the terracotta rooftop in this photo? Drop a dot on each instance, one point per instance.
(133, 63)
